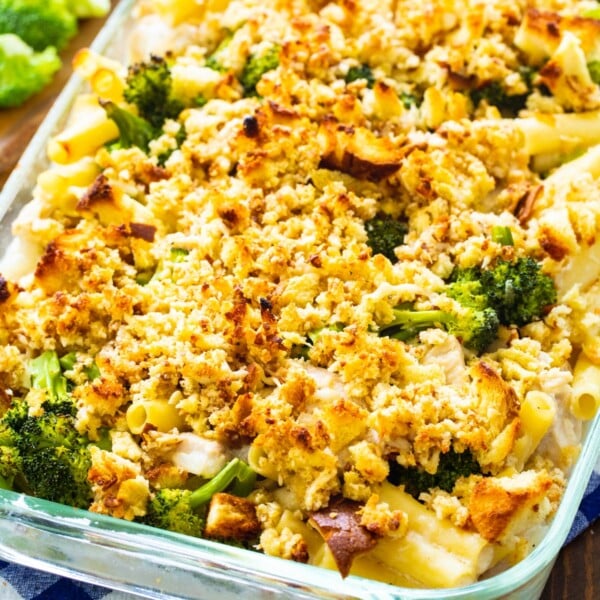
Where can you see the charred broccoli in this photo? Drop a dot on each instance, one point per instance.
(451, 466)
(384, 234)
(184, 511)
(149, 87)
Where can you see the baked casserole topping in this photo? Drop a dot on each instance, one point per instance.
(317, 278)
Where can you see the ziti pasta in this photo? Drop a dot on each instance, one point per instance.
(317, 278)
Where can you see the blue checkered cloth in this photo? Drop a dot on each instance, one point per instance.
(22, 583)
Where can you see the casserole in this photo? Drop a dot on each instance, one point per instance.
(225, 569)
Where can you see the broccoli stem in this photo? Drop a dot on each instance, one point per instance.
(235, 469)
(502, 235)
(407, 323)
(46, 374)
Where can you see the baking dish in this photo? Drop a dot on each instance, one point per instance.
(155, 563)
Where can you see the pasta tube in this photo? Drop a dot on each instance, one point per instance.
(157, 413)
(585, 399)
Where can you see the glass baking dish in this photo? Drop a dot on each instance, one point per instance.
(159, 564)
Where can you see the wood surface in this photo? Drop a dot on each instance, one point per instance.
(576, 574)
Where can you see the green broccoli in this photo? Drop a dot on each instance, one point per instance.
(384, 234)
(85, 9)
(47, 374)
(594, 70)
(256, 66)
(409, 100)
(517, 290)
(184, 511)
(149, 86)
(43, 454)
(475, 328)
(39, 23)
(502, 235)
(10, 467)
(302, 350)
(360, 72)
(214, 61)
(451, 466)
(23, 72)
(495, 93)
(133, 130)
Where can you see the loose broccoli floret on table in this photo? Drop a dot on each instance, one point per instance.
(384, 234)
(39, 23)
(23, 72)
(85, 9)
(184, 511)
(256, 66)
(451, 466)
(150, 88)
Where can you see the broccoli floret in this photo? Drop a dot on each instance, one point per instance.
(475, 328)
(184, 511)
(133, 130)
(46, 374)
(451, 466)
(23, 72)
(149, 87)
(50, 459)
(594, 70)
(174, 509)
(256, 66)
(360, 72)
(517, 290)
(408, 100)
(302, 350)
(10, 466)
(495, 93)
(85, 9)
(58, 474)
(384, 234)
(46, 454)
(39, 23)
(214, 61)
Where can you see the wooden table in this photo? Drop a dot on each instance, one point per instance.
(576, 575)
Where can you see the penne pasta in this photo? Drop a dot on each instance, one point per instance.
(585, 399)
(155, 414)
